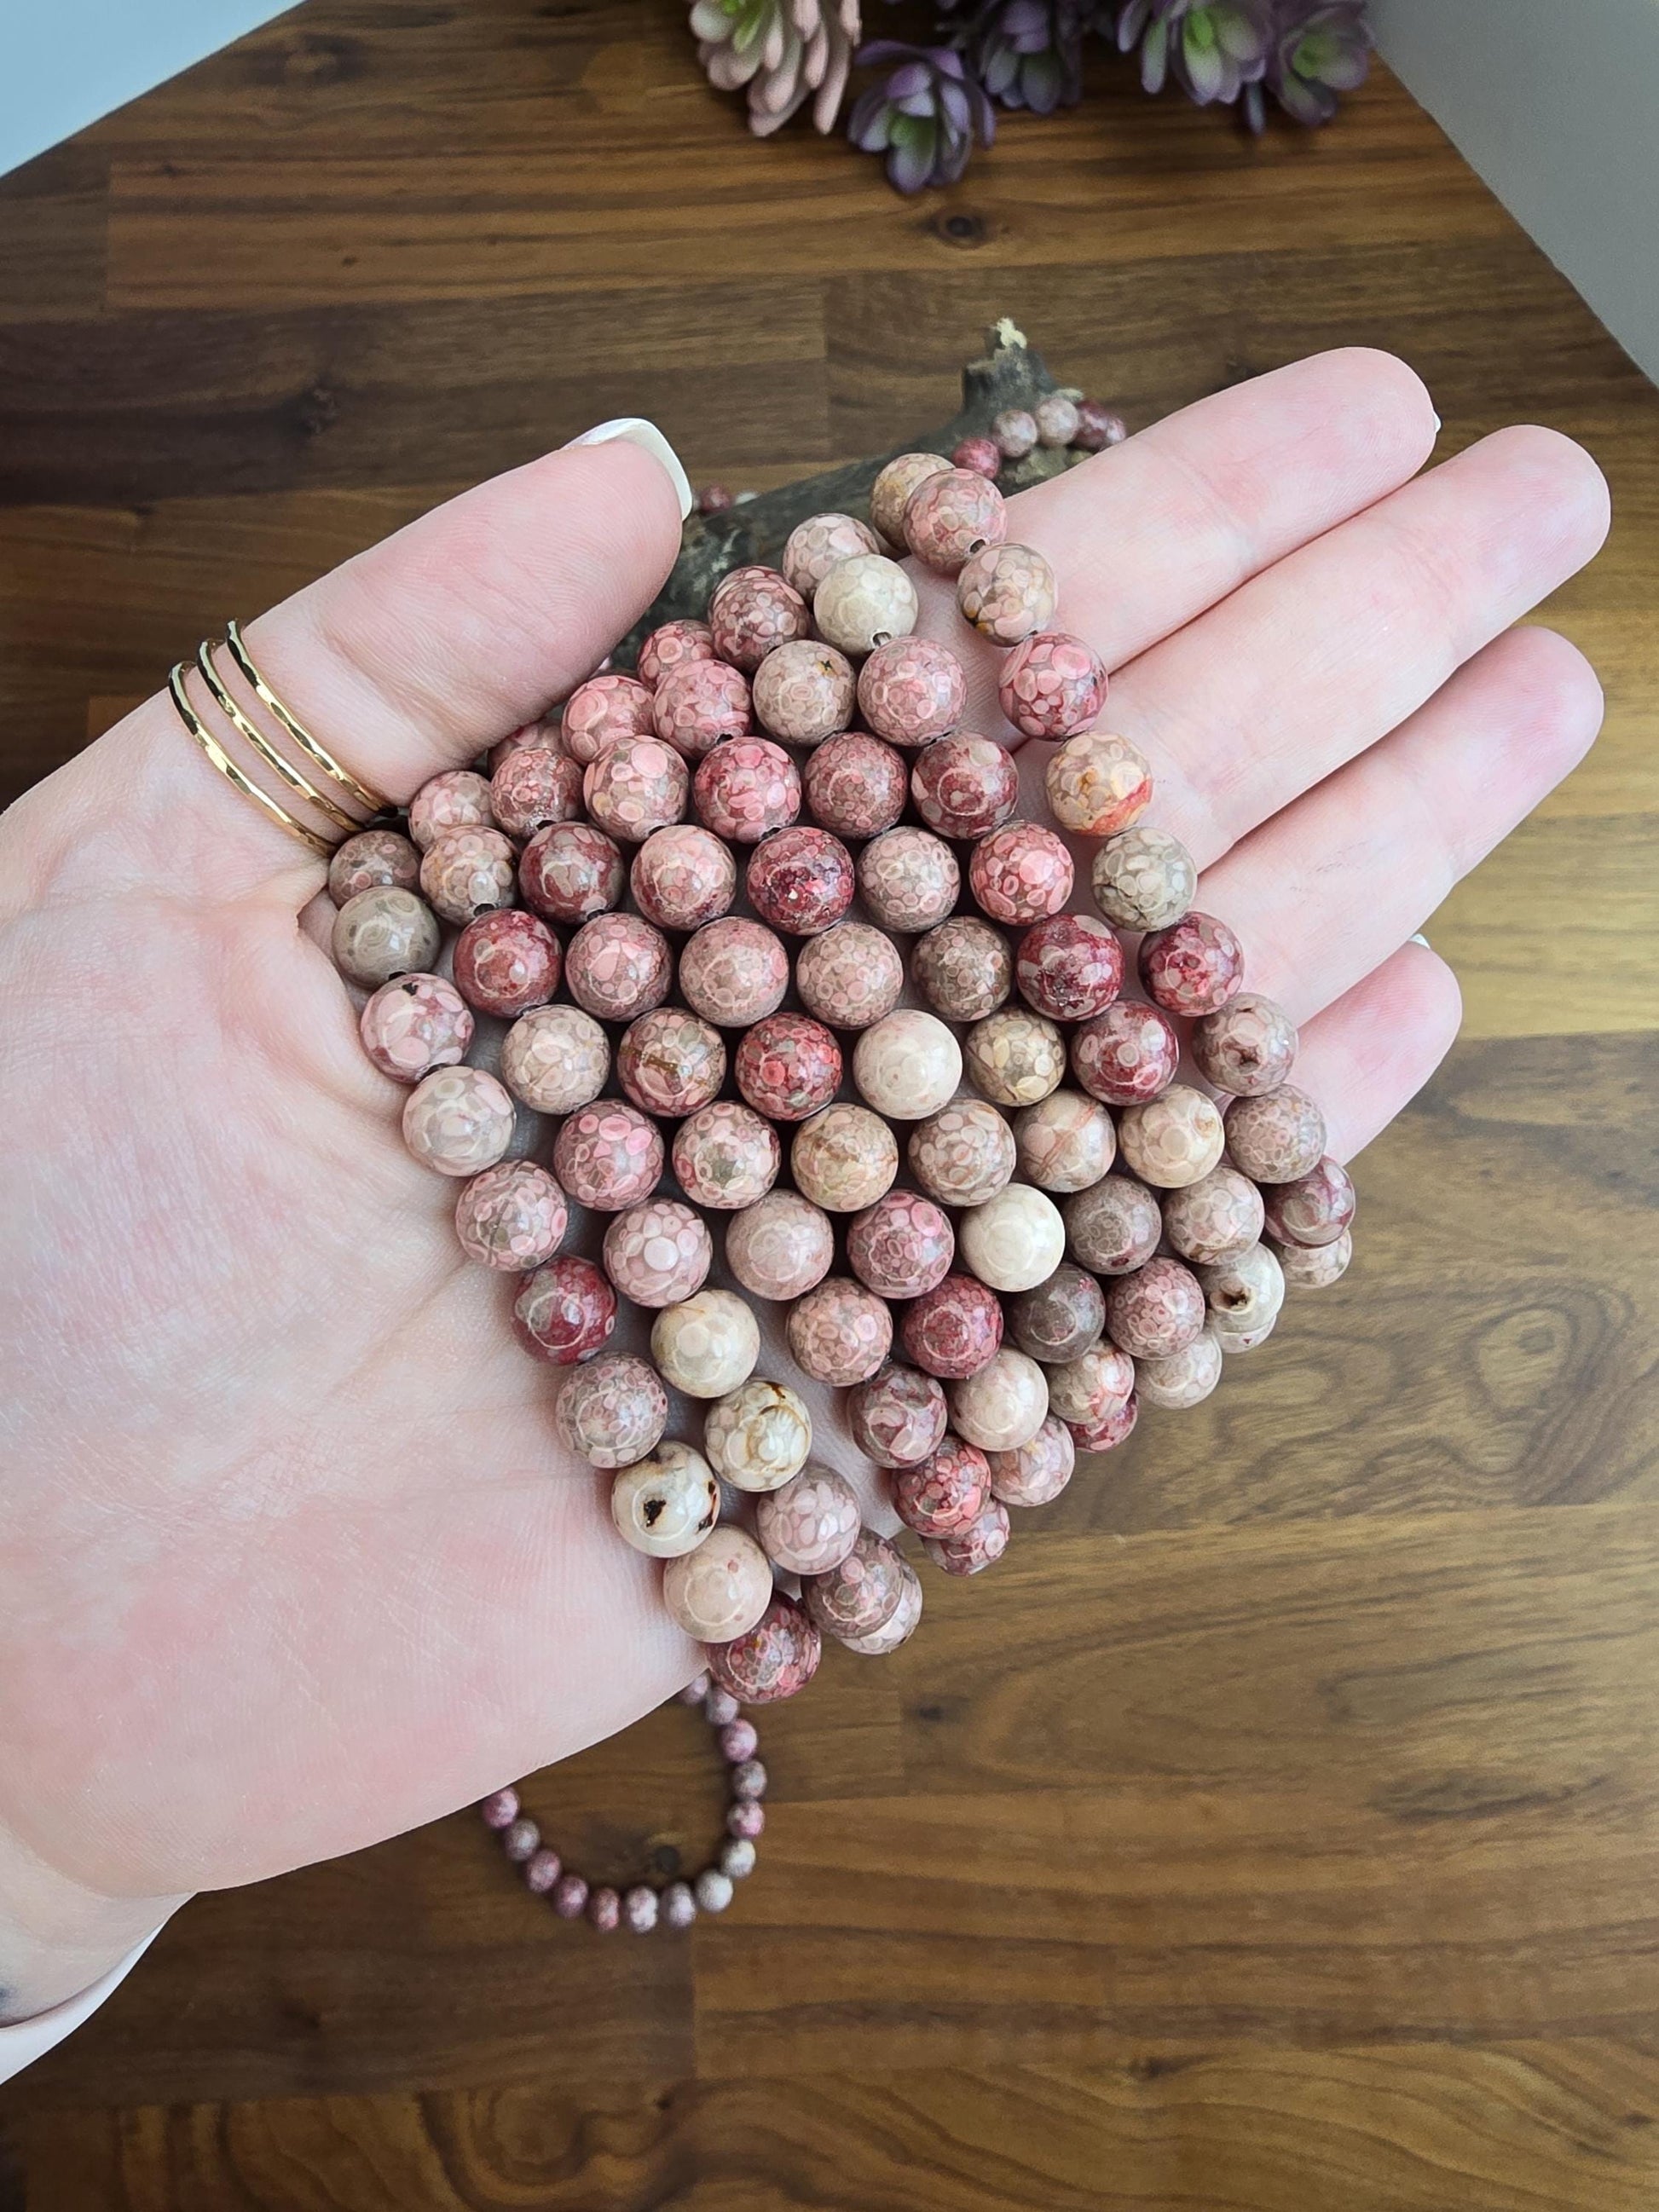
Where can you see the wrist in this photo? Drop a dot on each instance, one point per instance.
(58, 1936)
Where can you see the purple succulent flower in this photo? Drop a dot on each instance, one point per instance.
(1321, 48)
(1029, 53)
(924, 115)
(1212, 48)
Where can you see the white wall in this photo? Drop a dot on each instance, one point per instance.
(1556, 104)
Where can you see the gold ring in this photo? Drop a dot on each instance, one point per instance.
(315, 752)
(262, 745)
(234, 776)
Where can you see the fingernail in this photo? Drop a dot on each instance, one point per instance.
(649, 439)
(1436, 426)
(1418, 937)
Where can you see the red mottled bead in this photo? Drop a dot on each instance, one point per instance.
(507, 962)
(862, 1594)
(978, 1544)
(746, 789)
(898, 1418)
(671, 1061)
(529, 737)
(1098, 427)
(458, 799)
(1053, 685)
(951, 1330)
(965, 969)
(464, 872)
(1192, 968)
(1037, 1472)
(608, 1155)
(1126, 1054)
(1114, 1227)
(1111, 1430)
(1021, 872)
(1059, 1319)
(1155, 1311)
(604, 1908)
(618, 967)
(682, 877)
(571, 871)
(1313, 1210)
(912, 689)
(699, 705)
(533, 787)
(635, 786)
(840, 1333)
(564, 1311)
(512, 1216)
(901, 1246)
(1069, 967)
(856, 784)
(673, 645)
(1248, 1047)
(714, 499)
(734, 970)
(752, 610)
(964, 785)
(800, 880)
(414, 1024)
(602, 709)
(909, 878)
(770, 1661)
(950, 515)
(981, 455)
(944, 1491)
(788, 1066)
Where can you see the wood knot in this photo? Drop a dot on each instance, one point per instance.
(960, 229)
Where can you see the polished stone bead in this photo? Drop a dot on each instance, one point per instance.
(415, 1023)
(1214, 1218)
(374, 859)
(1014, 433)
(726, 1156)
(800, 880)
(457, 1120)
(844, 1158)
(1111, 1430)
(1316, 1209)
(456, 800)
(1173, 1140)
(384, 932)
(1312, 1266)
(1014, 1058)
(851, 976)
(1099, 426)
(1088, 1387)
(604, 708)
(944, 1491)
(1037, 1472)
(608, 1155)
(1052, 685)
(657, 1252)
(544, 736)
(964, 785)
(570, 1896)
(907, 1065)
(965, 969)
(970, 1550)
(1192, 968)
(467, 872)
(612, 1411)
(951, 1330)
(1097, 784)
(745, 790)
(1014, 1240)
(899, 1626)
(1021, 872)
(840, 1333)
(897, 1416)
(1058, 1318)
(860, 1594)
(1069, 967)
(534, 788)
(670, 1062)
(734, 971)
(1157, 1310)
(963, 1154)
(788, 1066)
(890, 492)
(901, 1246)
(1126, 1055)
(682, 877)
(570, 872)
(521, 1840)
(506, 962)
(640, 1909)
(672, 645)
(706, 1345)
(804, 692)
(864, 602)
(635, 786)
(564, 1311)
(1248, 1047)
(811, 1523)
(773, 1660)
(1065, 1142)
(1114, 1227)
(980, 454)
(720, 1590)
(1057, 419)
(512, 1216)
(758, 1435)
(1276, 1136)
(679, 1905)
(813, 547)
(753, 611)
(618, 967)
(1143, 879)
(780, 1247)
(908, 878)
(500, 1809)
(666, 1506)
(699, 705)
(1181, 1378)
(912, 690)
(855, 785)
(1007, 592)
(555, 1059)
(1244, 1292)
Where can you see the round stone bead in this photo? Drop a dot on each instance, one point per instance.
(804, 692)
(753, 611)
(375, 859)
(1065, 1142)
(1060, 1318)
(657, 1252)
(1007, 592)
(682, 877)
(1097, 784)
(1098, 427)
(773, 1660)
(863, 602)
(1181, 1378)
(506, 962)
(1214, 1218)
(640, 1909)
(570, 1896)
(912, 690)
(980, 454)
(890, 492)
(602, 710)
(899, 1626)
(860, 1594)
(758, 1435)
(964, 785)
(500, 1809)
(468, 872)
(844, 1158)
(1069, 967)
(712, 1890)
(951, 515)
(570, 872)
(1126, 1055)
(813, 547)
(1021, 872)
(720, 1590)
(697, 1689)
(907, 1065)
(612, 1411)
(970, 1550)
(618, 967)
(666, 1506)
(1084, 1388)
(734, 971)
(898, 1418)
(1248, 1047)
(1014, 433)
(699, 705)
(850, 977)
(1192, 968)
(555, 1059)
(679, 1905)
(1014, 1058)
(1057, 419)
(840, 1333)
(1276, 1136)
(1311, 1266)
(780, 1247)
(637, 785)
(800, 880)
(901, 1246)
(1111, 1430)
(532, 788)
(746, 1816)
(944, 1491)
(521, 1840)
(1157, 1310)
(965, 969)
(671, 1062)
(788, 1066)
(855, 785)
(1053, 685)
(456, 800)
(457, 1120)
(908, 878)
(1015, 1240)
(964, 1155)
(608, 1155)
(1233, 1341)
(1112, 1228)
(1002, 1406)
(671, 645)
(564, 1311)
(1037, 1474)
(383, 933)
(726, 1156)
(719, 1707)
(413, 1024)
(1316, 1209)
(1143, 879)
(1244, 1293)
(706, 1345)
(1173, 1140)
(512, 1216)
(953, 1329)
(744, 790)
(544, 736)
(809, 1525)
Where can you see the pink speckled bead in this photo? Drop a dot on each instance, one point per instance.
(1276, 1136)
(608, 1155)
(468, 872)
(943, 1492)
(851, 976)
(901, 1246)
(1037, 1474)
(912, 690)
(1111, 1430)
(602, 710)
(500, 1809)
(696, 1689)
(1312, 1266)
(1021, 872)
(530, 737)
(804, 692)
(1143, 879)
(899, 1626)
(739, 1739)
(1192, 968)
(860, 1595)
(1069, 966)
(520, 1840)
(1014, 433)
(754, 610)
(840, 1333)
(952, 514)
(604, 1908)
(773, 1660)
(564, 1311)
(1315, 1209)
(612, 1411)
(780, 1247)
(724, 1156)
(1007, 592)
(897, 1416)
(1097, 784)
(844, 1158)
(570, 872)
(1065, 1142)
(1214, 1218)
(907, 1065)
(813, 547)
(964, 785)
(733, 971)
(800, 880)
(1098, 427)
(908, 878)
(457, 1120)
(965, 969)
(618, 967)
(1174, 1140)
(1003, 1404)
(532, 788)
(890, 492)
(671, 1062)
(855, 785)
(812, 1524)
(1157, 1310)
(951, 1330)
(720, 1590)
(673, 645)
(744, 790)
(682, 877)
(679, 1905)
(640, 1909)
(1182, 1378)
(1101, 1377)
(699, 705)
(1245, 1292)
(384, 932)
(506, 962)
(456, 800)
(981, 455)
(569, 1896)
(555, 1059)
(1014, 1058)
(635, 786)
(374, 859)
(657, 1252)
(962, 1154)
(1113, 1227)
(1248, 1047)
(1057, 419)
(512, 1216)
(413, 1024)
(1060, 1318)
(788, 1066)
(758, 1435)
(1053, 685)
(1126, 1056)
(970, 1550)
(863, 602)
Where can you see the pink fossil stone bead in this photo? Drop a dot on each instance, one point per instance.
(608, 1155)
(863, 602)
(844, 1158)
(1057, 419)
(718, 1706)
(856, 784)
(813, 547)
(901, 1246)
(1192, 968)
(1069, 966)
(672, 645)
(1037, 1474)
(413, 1024)
(682, 877)
(1172, 1140)
(666, 1506)
(964, 968)
(635, 786)
(679, 1905)
(744, 790)
(671, 1062)
(569, 1896)
(604, 1908)
(1214, 1218)
(467, 872)
(1126, 1054)
(618, 967)
(555, 1059)
(753, 611)
(739, 1739)
(1098, 427)
(981, 455)
(1015, 1240)
(374, 859)
(506, 962)
(720, 1591)
(890, 492)
(714, 499)
(1182, 1378)
(612, 1411)
(1060, 1318)
(1114, 1227)
(1157, 1310)
(1065, 1142)
(840, 1333)
(950, 515)
(800, 880)
(1276, 1136)
(456, 800)
(570, 872)
(1014, 433)
(1143, 879)
(1053, 685)
(851, 976)
(1021, 872)
(533, 788)
(781, 1247)
(695, 1690)
(520, 1840)
(1097, 784)
(804, 692)
(602, 710)
(912, 690)
(908, 878)
(657, 1252)
(564, 1311)
(907, 1065)
(1312, 1266)
(500, 1809)
(640, 1908)
(1316, 1208)
(1245, 1292)
(951, 1330)
(512, 1216)
(964, 785)
(699, 704)
(1003, 1404)
(788, 1066)
(1246, 1048)
(726, 1156)
(944, 1491)
(530, 737)
(970, 1550)
(812, 1524)
(1101, 1377)
(860, 1594)
(1007, 592)
(734, 971)
(457, 1120)
(1014, 1057)
(773, 1660)
(899, 1626)
(542, 1869)
(897, 1416)
(1111, 1430)
(758, 1435)
(963, 1154)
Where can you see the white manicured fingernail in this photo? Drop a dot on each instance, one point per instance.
(1436, 426)
(1418, 937)
(649, 439)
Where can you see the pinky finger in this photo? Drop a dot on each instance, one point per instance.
(1370, 1052)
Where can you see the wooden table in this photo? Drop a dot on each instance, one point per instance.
(1277, 1829)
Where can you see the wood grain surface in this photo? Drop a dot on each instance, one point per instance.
(1277, 1829)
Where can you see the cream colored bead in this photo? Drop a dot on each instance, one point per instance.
(1065, 1142)
(844, 1158)
(863, 602)
(1002, 1406)
(719, 1590)
(1214, 1218)
(1246, 1340)
(1181, 1378)
(1088, 1387)
(759, 1435)
(666, 1506)
(1172, 1140)
(908, 1066)
(1245, 1292)
(1014, 1057)
(1312, 1266)
(1014, 1241)
(706, 1345)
